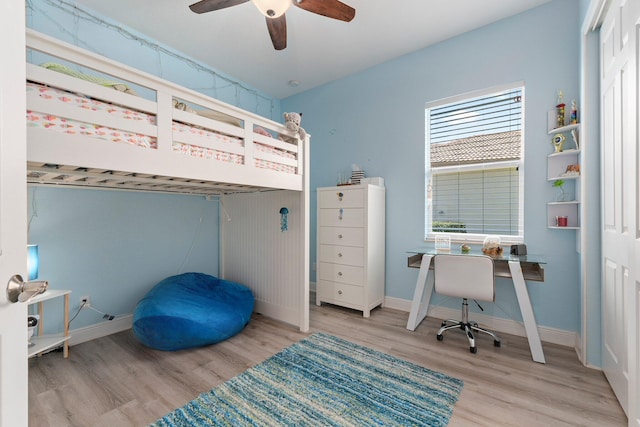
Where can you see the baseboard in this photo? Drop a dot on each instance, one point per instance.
(550, 335)
(102, 329)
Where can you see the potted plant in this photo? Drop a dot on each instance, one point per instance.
(559, 183)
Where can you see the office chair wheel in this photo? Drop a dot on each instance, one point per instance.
(440, 337)
(473, 349)
(496, 343)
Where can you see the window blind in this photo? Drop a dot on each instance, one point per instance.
(479, 202)
(474, 157)
(495, 113)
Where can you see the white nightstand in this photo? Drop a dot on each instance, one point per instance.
(42, 342)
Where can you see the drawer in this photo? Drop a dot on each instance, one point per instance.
(341, 273)
(341, 217)
(349, 255)
(339, 198)
(341, 236)
(340, 293)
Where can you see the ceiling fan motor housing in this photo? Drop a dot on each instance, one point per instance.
(274, 11)
(272, 8)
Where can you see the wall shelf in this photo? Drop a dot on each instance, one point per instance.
(557, 164)
(567, 128)
(563, 165)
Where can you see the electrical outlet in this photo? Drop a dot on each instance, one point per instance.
(87, 299)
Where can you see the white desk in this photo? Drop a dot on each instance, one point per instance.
(518, 268)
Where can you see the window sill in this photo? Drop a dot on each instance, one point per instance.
(475, 239)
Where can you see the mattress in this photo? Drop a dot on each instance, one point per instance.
(66, 125)
(75, 127)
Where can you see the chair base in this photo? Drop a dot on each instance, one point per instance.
(468, 328)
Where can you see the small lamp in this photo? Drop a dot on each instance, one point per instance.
(20, 291)
(272, 8)
(33, 261)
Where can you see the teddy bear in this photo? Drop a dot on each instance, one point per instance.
(292, 122)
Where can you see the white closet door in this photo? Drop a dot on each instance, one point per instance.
(620, 202)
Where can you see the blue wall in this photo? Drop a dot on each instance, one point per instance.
(376, 119)
(115, 245)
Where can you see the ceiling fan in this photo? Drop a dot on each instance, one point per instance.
(274, 11)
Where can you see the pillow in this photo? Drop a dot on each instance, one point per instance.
(182, 106)
(262, 131)
(119, 86)
(221, 117)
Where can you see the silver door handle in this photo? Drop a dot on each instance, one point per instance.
(20, 291)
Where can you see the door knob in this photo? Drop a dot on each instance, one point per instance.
(20, 291)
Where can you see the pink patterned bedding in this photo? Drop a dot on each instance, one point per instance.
(74, 127)
(70, 126)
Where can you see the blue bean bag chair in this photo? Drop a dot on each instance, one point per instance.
(191, 310)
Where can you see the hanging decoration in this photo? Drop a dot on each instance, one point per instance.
(284, 219)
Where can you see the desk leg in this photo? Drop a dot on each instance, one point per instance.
(424, 288)
(530, 325)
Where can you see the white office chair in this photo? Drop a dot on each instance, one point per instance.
(465, 276)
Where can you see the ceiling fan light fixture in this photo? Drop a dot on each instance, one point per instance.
(272, 8)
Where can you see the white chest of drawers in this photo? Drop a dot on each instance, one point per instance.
(351, 246)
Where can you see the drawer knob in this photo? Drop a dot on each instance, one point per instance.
(340, 196)
(339, 292)
(340, 273)
(340, 255)
(340, 214)
(339, 236)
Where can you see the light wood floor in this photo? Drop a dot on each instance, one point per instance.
(115, 381)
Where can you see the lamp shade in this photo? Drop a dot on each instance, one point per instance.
(272, 8)
(33, 261)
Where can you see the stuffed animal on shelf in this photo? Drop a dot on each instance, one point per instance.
(292, 122)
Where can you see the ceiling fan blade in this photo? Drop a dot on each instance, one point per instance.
(278, 31)
(330, 8)
(204, 6)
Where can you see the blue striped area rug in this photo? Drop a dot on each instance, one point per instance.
(325, 381)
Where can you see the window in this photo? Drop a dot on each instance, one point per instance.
(474, 157)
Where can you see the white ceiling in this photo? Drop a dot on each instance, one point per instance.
(235, 40)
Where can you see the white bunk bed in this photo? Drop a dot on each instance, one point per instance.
(176, 140)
